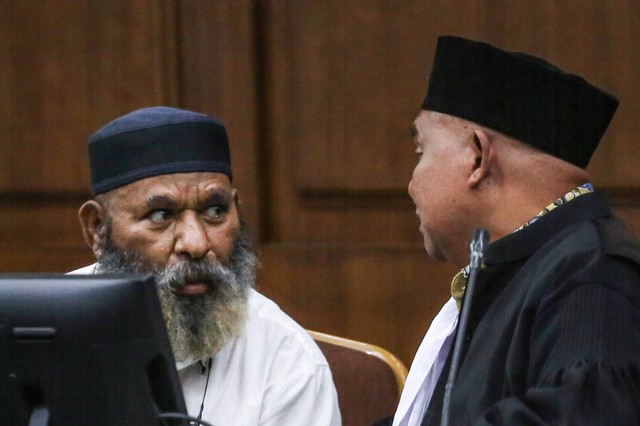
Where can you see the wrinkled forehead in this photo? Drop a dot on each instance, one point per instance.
(176, 186)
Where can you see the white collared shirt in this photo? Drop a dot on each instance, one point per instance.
(427, 366)
(272, 375)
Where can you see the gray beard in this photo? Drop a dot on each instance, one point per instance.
(198, 326)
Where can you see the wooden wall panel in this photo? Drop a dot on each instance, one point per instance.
(346, 80)
(32, 220)
(317, 97)
(382, 295)
(376, 217)
(66, 68)
(218, 55)
(53, 258)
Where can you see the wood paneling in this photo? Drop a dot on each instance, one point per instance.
(39, 219)
(384, 295)
(42, 257)
(344, 81)
(218, 56)
(67, 68)
(347, 78)
(345, 84)
(341, 90)
(317, 98)
(41, 233)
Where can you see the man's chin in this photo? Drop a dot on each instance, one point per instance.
(432, 250)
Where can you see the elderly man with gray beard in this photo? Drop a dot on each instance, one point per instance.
(163, 203)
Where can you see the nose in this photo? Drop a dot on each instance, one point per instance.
(191, 237)
(409, 190)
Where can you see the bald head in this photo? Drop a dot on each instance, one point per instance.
(469, 176)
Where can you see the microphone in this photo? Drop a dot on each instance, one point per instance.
(478, 245)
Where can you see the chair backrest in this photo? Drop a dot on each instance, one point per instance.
(368, 378)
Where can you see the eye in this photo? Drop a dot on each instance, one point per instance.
(160, 217)
(215, 212)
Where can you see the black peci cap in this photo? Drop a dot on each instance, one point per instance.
(521, 96)
(155, 141)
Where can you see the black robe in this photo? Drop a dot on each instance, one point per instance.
(554, 331)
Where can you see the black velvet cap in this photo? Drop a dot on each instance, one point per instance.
(521, 96)
(155, 141)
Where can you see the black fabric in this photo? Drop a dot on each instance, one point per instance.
(521, 96)
(483, 299)
(154, 141)
(558, 340)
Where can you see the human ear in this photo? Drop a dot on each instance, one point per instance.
(92, 216)
(236, 199)
(482, 158)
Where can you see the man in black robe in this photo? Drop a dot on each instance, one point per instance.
(503, 140)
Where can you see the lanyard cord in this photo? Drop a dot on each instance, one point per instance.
(206, 385)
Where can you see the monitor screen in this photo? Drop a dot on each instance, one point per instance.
(84, 350)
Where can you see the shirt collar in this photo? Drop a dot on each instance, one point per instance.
(525, 242)
(530, 237)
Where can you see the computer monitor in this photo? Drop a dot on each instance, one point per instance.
(84, 350)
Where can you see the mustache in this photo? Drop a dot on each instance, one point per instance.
(211, 272)
(197, 326)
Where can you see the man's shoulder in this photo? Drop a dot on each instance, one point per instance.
(268, 311)
(276, 328)
(85, 270)
(599, 251)
(617, 239)
(603, 236)
(595, 243)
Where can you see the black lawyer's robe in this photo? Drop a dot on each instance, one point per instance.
(554, 331)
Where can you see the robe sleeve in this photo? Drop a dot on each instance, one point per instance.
(588, 393)
(584, 365)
